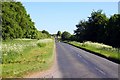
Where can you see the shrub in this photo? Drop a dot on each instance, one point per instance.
(41, 44)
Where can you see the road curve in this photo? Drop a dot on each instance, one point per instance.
(77, 63)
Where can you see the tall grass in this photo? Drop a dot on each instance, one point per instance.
(13, 49)
(24, 56)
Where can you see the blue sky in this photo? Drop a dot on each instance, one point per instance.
(63, 16)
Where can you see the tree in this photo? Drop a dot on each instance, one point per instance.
(93, 29)
(73, 38)
(113, 30)
(46, 32)
(80, 32)
(96, 26)
(99, 28)
(16, 23)
(65, 35)
(59, 33)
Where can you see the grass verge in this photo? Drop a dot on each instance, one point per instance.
(37, 56)
(102, 50)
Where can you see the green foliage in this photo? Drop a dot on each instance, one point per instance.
(58, 33)
(46, 32)
(41, 44)
(99, 28)
(12, 49)
(16, 23)
(41, 35)
(113, 30)
(73, 38)
(24, 56)
(65, 35)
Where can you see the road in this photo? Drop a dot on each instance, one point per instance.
(77, 63)
(72, 62)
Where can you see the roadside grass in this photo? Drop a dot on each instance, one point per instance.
(35, 55)
(100, 49)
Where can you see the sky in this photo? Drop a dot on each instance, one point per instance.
(63, 16)
(68, 0)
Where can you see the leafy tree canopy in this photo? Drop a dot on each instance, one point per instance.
(66, 35)
(16, 23)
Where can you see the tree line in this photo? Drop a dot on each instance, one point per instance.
(16, 23)
(98, 28)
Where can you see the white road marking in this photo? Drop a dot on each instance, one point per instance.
(80, 50)
(85, 61)
(100, 71)
(79, 55)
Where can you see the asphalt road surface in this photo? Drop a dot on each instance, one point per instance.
(72, 62)
(77, 63)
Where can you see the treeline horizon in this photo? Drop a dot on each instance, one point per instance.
(16, 23)
(98, 28)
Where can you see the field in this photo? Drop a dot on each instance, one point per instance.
(99, 49)
(20, 57)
